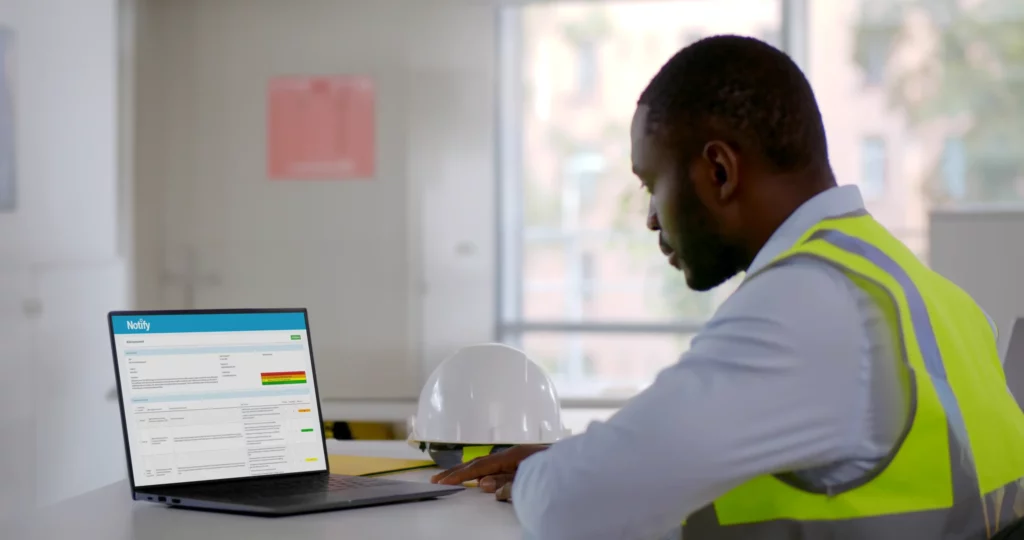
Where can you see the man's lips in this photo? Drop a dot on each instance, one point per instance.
(665, 248)
(673, 258)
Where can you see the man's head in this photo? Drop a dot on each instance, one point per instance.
(729, 141)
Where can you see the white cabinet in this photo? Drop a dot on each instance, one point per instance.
(79, 445)
(59, 434)
(17, 414)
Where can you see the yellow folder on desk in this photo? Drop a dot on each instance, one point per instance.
(373, 466)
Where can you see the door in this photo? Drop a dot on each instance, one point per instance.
(229, 237)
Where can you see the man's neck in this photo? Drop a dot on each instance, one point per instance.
(781, 197)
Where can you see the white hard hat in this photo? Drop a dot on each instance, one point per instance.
(488, 394)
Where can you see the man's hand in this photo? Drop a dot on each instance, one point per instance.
(494, 471)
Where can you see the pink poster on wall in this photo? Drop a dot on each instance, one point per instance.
(320, 128)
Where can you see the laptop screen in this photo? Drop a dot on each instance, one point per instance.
(212, 396)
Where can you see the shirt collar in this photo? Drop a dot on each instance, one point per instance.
(829, 203)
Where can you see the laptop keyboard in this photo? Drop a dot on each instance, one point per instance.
(286, 487)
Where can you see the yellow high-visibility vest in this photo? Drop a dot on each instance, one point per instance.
(956, 472)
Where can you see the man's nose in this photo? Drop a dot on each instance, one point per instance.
(652, 217)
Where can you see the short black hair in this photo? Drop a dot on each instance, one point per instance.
(748, 89)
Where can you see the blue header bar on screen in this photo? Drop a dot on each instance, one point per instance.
(209, 322)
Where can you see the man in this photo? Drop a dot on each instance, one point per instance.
(843, 391)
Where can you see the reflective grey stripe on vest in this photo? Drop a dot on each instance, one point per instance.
(967, 519)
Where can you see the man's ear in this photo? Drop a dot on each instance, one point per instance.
(724, 163)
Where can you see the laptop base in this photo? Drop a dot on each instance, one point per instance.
(266, 498)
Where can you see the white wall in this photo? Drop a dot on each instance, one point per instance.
(416, 277)
(59, 256)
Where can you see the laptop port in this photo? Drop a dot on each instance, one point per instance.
(175, 501)
(162, 499)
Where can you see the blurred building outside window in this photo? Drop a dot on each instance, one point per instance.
(586, 69)
(954, 167)
(874, 164)
(923, 102)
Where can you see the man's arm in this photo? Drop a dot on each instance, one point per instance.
(775, 382)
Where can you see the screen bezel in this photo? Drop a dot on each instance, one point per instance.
(124, 417)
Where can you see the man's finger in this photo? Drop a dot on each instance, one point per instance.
(476, 469)
(504, 493)
(437, 477)
(491, 484)
(504, 462)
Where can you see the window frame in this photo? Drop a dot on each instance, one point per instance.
(510, 326)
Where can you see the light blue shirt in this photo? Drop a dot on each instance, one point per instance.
(796, 372)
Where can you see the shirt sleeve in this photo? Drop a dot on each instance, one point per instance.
(773, 383)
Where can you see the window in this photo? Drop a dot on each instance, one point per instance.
(873, 167)
(586, 69)
(583, 172)
(652, 44)
(945, 72)
(689, 37)
(876, 56)
(586, 291)
(771, 36)
(954, 168)
(879, 24)
(587, 276)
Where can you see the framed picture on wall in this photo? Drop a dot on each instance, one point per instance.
(321, 128)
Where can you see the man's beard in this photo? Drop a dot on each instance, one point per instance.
(709, 257)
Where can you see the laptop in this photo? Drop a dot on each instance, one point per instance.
(220, 411)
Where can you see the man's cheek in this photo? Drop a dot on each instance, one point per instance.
(672, 231)
(666, 214)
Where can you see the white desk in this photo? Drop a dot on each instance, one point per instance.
(110, 514)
